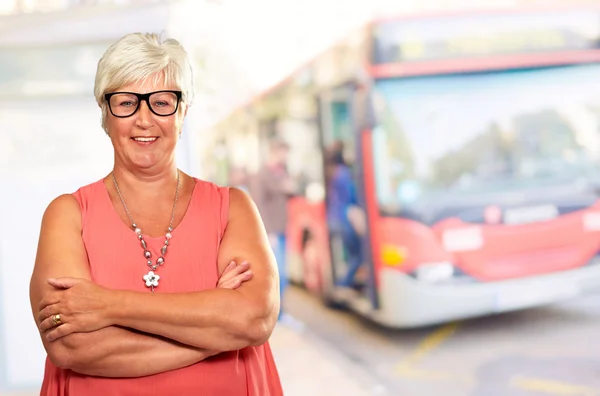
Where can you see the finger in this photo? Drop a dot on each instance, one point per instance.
(232, 273)
(241, 279)
(229, 267)
(60, 331)
(238, 280)
(227, 271)
(48, 323)
(246, 276)
(50, 299)
(48, 311)
(232, 284)
(63, 283)
(236, 269)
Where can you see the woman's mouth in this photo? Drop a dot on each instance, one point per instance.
(145, 140)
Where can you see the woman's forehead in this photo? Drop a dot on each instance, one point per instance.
(150, 84)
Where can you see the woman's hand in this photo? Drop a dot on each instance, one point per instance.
(234, 275)
(82, 305)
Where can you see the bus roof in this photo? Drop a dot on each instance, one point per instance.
(442, 66)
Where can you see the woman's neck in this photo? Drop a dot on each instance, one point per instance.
(147, 182)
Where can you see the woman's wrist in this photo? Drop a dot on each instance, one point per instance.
(116, 307)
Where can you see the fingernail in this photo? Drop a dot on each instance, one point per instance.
(249, 273)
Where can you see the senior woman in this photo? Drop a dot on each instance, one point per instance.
(150, 281)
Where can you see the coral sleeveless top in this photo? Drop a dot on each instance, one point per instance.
(116, 262)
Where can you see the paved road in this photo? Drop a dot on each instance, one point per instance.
(553, 350)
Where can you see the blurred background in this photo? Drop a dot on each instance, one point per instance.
(440, 227)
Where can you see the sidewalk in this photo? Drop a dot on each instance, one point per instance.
(309, 367)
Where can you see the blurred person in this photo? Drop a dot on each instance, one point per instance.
(345, 217)
(151, 281)
(274, 187)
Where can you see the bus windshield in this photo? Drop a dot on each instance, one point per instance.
(455, 145)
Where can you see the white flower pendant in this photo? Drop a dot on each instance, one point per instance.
(151, 280)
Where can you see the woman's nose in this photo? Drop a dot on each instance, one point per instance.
(144, 115)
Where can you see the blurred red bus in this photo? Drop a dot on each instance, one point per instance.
(474, 141)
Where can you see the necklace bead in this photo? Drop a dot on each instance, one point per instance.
(151, 279)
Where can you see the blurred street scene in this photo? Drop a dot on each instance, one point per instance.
(428, 172)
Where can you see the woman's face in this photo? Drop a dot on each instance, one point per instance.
(145, 140)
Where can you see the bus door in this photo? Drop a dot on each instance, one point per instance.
(346, 215)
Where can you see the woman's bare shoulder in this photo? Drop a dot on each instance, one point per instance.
(240, 203)
(64, 207)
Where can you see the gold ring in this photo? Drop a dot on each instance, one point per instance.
(56, 320)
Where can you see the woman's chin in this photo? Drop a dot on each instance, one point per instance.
(145, 162)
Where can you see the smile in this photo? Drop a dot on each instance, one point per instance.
(145, 139)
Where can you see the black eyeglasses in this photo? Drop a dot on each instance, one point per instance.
(125, 104)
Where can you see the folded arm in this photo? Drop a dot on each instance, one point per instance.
(111, 351)
(219, 320)
(119, 352)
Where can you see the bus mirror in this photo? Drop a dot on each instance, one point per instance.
(314, 192)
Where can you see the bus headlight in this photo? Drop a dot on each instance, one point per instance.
(392, 255)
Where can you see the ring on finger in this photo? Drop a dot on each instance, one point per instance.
(56, 320)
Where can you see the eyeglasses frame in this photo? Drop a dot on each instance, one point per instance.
(143, 98)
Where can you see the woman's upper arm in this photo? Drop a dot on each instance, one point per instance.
(60, 250)
(245, 239)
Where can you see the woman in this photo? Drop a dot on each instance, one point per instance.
(137, 288)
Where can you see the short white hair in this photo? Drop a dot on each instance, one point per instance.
(138, 56)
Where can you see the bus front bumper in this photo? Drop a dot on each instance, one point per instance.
(405, 302)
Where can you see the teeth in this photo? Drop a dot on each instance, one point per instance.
(144, 139)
